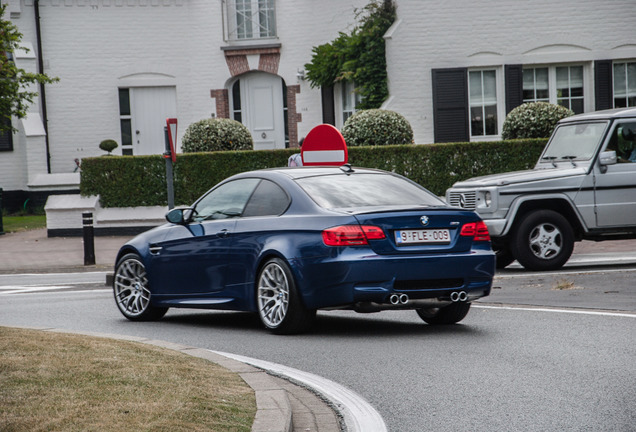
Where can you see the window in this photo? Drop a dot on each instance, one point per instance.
(569, 85)
(346, 101)
(236, 102)
(251, 19)
(624, 85)
(267, 200)
(6, 136)
(350, 99)
(125, 121)
(561, 85)
(623, 142)
(535, 85)
(482, 89)
(226, 201)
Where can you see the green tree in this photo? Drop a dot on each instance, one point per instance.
(15, 84)
(359, 56)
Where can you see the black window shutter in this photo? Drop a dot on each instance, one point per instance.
(514, 86)
(450, 105)
(6, 136)
(603, 88)
(328, 109)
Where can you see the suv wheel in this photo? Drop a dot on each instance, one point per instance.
(544, 240)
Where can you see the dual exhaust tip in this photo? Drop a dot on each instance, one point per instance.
(397, 299)
(458, 296)
(402, 299)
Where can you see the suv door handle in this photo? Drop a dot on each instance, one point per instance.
(223, 233)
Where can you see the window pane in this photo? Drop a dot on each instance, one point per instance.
(268, 200)
(483, 103)
(577, 106)
(266, 17)
(476, 121)
(243, 19)
(631, 79)
(475, 88)
(124, 101)
(126, 132)
(619, 80)
(542, 84)
(490, 87)
(491, 119)
(226, 201)
(365, 190)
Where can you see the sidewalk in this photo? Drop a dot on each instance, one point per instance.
(281, 405)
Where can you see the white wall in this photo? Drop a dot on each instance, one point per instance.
(460, 33)
(96, 46)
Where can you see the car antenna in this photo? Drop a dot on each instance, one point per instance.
(346, 168)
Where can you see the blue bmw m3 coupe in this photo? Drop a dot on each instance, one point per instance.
(286, 242)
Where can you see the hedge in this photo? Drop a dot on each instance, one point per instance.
(129, 181)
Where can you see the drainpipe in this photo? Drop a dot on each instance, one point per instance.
(45, 119)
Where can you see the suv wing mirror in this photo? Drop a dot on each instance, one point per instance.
(607, 158)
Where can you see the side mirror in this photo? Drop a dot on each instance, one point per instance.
(607, 158)
(179, 216)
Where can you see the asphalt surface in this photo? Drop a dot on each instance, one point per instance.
(33, 252)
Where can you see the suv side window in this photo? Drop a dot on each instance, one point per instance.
(623, 142)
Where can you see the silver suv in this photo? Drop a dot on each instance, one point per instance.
(582, 187)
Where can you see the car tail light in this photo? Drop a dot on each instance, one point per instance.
(351, 235)
(477, 230)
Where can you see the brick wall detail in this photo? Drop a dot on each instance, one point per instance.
(293, 117)
(222, 102)
(236, 59)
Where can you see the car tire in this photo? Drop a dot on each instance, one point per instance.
(451, 314)
(132, 292)
(543, 240)
(280, 307)
(503, 257)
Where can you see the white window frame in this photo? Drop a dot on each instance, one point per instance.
(499, 97)
(346, 100)
(627, 94)
(236, 12)
(588, 91)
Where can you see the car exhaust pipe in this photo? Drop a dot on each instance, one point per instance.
(404, 299)
(457, 296)
(394, 299)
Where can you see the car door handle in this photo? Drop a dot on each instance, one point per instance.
(223, 233)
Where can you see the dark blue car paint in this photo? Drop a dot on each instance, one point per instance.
(215, 264)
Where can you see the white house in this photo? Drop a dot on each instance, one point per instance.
(455, 69)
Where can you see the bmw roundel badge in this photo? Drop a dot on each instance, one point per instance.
(424, 220)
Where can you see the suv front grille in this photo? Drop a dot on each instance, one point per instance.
(465, 200)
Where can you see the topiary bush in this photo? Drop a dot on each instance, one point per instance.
(533, 120)
(377, 127)
(108, 145)
(219, 134)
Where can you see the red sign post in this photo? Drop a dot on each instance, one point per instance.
(324, 145)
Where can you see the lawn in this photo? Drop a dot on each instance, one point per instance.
(23, 223)
(63, 382)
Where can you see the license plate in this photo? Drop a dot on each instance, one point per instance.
(409, 237)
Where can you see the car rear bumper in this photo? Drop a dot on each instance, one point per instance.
(369, 281)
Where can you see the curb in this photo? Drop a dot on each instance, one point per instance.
(273, 408)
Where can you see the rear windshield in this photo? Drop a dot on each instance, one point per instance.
(366, 190)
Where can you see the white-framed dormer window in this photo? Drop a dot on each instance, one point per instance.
(563, 85)
(624, 84)
(250, 19)
(346, 101)
(484, 109)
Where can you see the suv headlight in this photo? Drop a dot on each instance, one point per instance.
(487, 198)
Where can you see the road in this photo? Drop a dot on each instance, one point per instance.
(529, 367)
